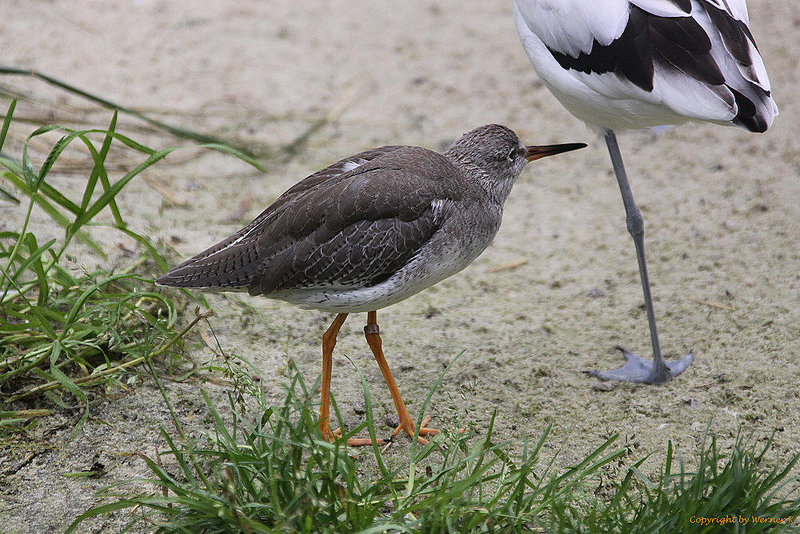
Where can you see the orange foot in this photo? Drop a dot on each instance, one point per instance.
(332, 435)
(423, 430)
(327, 435)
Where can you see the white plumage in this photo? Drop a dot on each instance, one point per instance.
(610, 100)
(632, 64)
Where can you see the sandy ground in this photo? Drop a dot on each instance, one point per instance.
(722, 209)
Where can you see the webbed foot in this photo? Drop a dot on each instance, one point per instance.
(637, 369)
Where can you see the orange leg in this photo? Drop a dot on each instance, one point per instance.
(328, 342)
(372, 333)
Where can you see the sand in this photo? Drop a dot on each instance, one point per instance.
(721, 208)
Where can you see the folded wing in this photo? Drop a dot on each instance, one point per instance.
(696, 57)
(339, 227)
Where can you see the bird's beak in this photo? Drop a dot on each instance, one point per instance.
(538, 152)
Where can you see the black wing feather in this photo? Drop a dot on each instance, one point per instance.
(677, 43)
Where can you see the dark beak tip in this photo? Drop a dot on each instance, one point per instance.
(537, 152)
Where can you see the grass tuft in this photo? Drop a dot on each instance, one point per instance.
(275, 474)
(733, 492)
(66, 331)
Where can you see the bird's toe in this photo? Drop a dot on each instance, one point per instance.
(640, 370)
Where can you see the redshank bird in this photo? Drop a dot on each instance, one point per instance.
(369, 231)
(619, 65)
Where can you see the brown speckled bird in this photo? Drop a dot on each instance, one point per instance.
(369, 231)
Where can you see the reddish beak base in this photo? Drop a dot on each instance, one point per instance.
(538, 152)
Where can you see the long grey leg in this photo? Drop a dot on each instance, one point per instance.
(637, 369)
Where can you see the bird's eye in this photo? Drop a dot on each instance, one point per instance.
(512, 154)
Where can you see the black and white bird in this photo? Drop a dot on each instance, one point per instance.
(634, 64)
(369, 231)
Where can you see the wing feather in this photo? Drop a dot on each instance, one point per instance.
(664, 8)
(571, 28)
(231, 262)
(333, 229)
(638, 63)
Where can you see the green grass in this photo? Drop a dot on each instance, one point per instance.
(62, 331)
(275, 474)
(733, 492)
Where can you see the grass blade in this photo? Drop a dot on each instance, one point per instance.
(7, 122)
(114, 190)
(100, 170)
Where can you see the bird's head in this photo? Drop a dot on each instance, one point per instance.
(498, 156)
